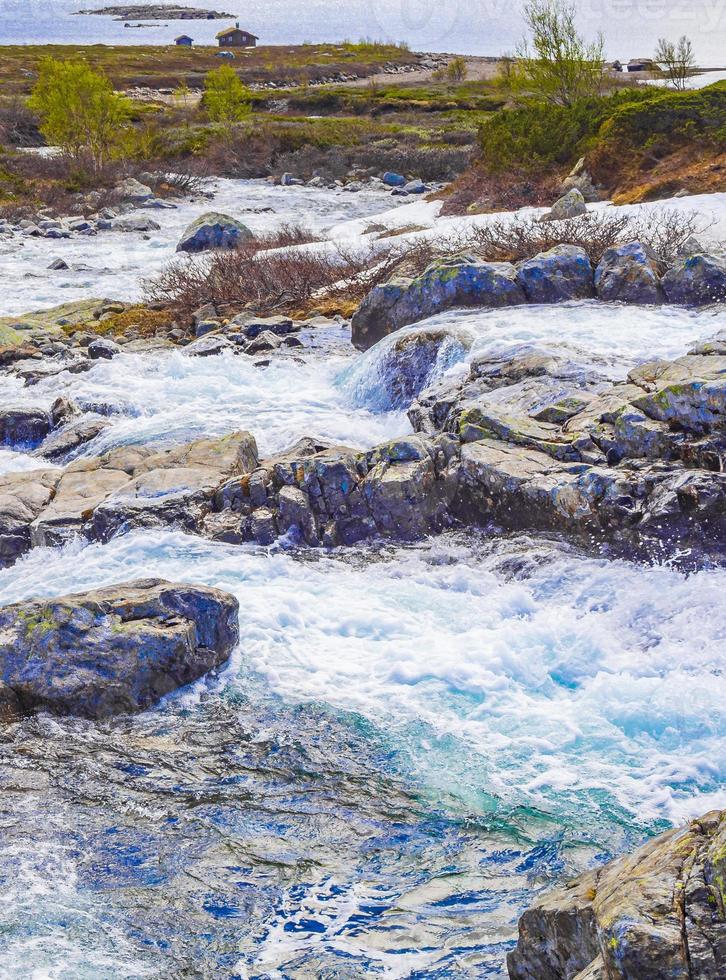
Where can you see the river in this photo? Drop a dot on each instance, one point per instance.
(410, 742)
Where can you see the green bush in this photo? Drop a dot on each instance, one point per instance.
(674, 117)
(540, 135)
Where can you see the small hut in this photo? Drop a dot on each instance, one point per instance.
(233, 37)
(641, 64)
(183, 41)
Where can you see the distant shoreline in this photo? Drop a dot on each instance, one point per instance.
(153, 12)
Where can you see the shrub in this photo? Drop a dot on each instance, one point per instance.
(226, 99)
(79, 111)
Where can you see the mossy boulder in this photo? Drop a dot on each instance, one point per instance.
(113, 651)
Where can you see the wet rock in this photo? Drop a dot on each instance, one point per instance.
(263, 527)
(696, 280)
(263, 343)
(58, 264)
(391, 179)
(461, 281)
(137, 223)
(213, 230)
(62, 410)
(629, 274)
(401, 366)
(102, 348)
(23, 426)
(563, 273)
(116, 650)
(656, 913)
(23, 496)
(251, 326)
(62, 442)
(209, 346)
(570, 205)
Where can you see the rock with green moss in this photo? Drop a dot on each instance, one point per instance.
(448, 283)
(563, 273)
(658, 913)
(114, 651)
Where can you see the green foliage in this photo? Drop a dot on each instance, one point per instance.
(540, 135)
(560, 67)
(673, 117)
(79, 111)
(456, 70)
(226, 99)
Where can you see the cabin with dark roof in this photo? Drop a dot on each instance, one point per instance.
(233, 37)
(184, 41)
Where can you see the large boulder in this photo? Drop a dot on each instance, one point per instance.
(116, 650)
(629, 274)
(696, 280)
(213, 230)
(459, 281)
(23, 496)
(560, 274)
(658, 913)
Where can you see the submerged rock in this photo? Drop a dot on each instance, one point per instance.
(116, 650)
(213, 230)
(658, 913)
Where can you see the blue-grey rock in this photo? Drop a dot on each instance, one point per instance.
(563, 273)
(391, 179)
(23, 426)
(460, 281)
(116, 650)
(213, 230)
(629, 274)
(696, 280)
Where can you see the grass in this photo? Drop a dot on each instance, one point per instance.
(166, 66)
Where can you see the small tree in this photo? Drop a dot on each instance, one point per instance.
(226, 99)
(677, 60)
(79, 111)
(560, 66)
(456, 70)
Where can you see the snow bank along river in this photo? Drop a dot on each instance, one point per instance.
(409, 742)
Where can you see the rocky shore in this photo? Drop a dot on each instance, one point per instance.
(660, 912)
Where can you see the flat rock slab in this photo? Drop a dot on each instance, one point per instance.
(116, 650)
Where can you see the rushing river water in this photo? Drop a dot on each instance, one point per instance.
(409, 743)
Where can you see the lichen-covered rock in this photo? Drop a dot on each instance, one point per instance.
(460, 281)
(213, 230)
(696, 280)
(570, 205)
(116, 650)
(629, 274)
(560, 274)
(659, 913)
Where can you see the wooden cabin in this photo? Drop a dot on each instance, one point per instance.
(184, 41)
(233, 37)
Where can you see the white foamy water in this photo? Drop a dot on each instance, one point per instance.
(114, 264)
(583, 687)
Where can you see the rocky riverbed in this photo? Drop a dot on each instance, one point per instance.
(478, 574)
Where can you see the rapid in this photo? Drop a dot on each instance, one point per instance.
(410, 742)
